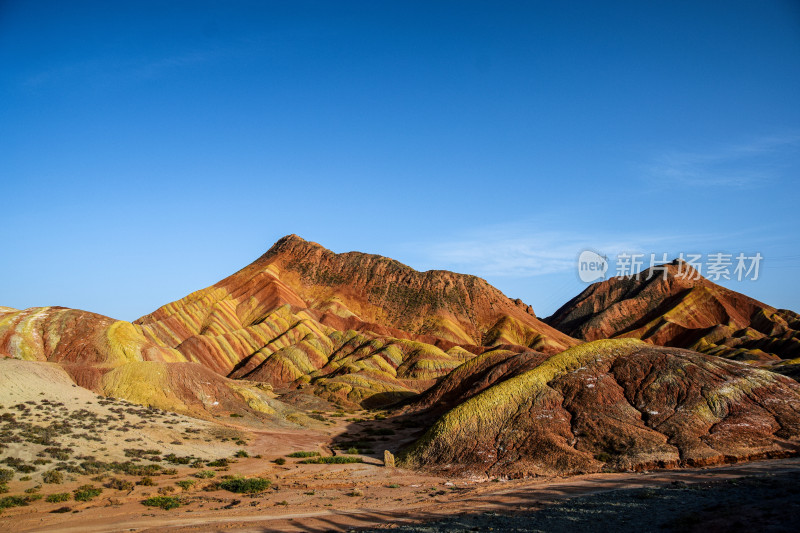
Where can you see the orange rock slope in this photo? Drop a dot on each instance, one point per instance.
(358, 329)
(684, 310)
(353, 325)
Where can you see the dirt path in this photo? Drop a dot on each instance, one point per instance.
(381, 510)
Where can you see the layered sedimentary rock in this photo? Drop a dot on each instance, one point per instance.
(354, 326)
(358, 329)
(471, 378)
(113, 358)
(619, 404)
(684, 310)
(61, 335)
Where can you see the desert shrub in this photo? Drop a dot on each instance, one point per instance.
(19, 465)
(280, 461)
(53, 477)
(355, 493)
(57, 497)
(241, 453)
(86, 493)
(164, 502)
(303, 454)
(177, 460)
(3, 488)
(185, 484)
(236, 415)
(245, 485)
(353, 451)
(336, 459)
(119, 484)
(6, 475)
(62, 510)
(133, 469)
(13, 501)
(205, 474)
(139, 453)
(166, 490)
(218, 463)
(146, 482)
(61, 454)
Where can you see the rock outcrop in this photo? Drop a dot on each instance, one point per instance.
(616, 404)
(682, 309)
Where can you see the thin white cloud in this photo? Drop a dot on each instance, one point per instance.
(523, 250)
(103, 72)
(157, 67)
(504, 251)
(747, 165)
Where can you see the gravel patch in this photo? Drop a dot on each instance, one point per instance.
(769, 503)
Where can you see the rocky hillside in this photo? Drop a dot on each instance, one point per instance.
(684, 310)
(616, 404)
(357, 329)
(355, 291)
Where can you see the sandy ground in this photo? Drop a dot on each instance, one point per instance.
(335, 497)
(344, 497)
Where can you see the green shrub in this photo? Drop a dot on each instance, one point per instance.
(217, 463)
(13, 501)
(6, 475)
(164, 502)
(53, 477)
(185, 484)
(241, 453)
(242, 485)
(57, 498)
(205, 474)
(303, 454)
(336, 459)
(86, 493)
(280, 461)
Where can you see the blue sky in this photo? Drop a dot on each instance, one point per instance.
(149, 149)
